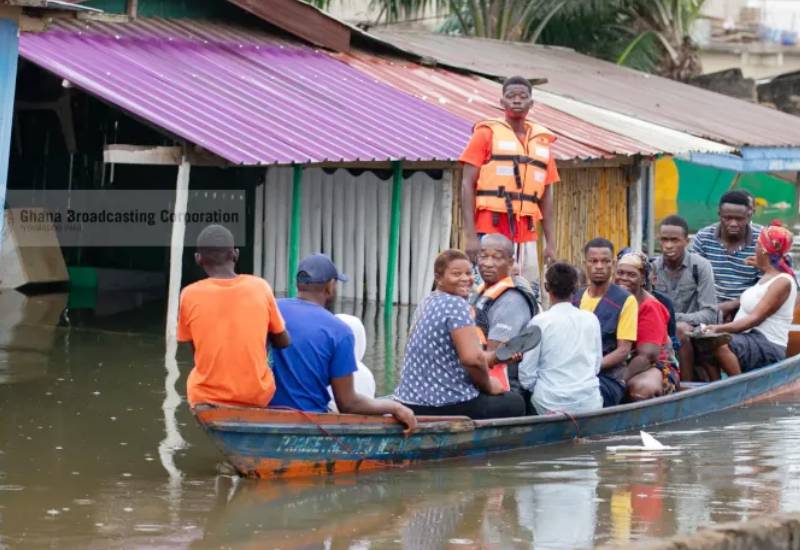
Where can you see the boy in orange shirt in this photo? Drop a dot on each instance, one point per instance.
(228, 318)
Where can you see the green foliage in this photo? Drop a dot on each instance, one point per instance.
(649, 35)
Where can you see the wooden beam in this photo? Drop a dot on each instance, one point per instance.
(301, 20)
(176, 250)
(117, 153)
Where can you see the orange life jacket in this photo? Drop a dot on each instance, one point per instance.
(482, 301)
(513, 180)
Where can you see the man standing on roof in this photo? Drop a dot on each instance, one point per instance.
(508, 171)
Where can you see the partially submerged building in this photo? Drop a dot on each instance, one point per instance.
(335, 140)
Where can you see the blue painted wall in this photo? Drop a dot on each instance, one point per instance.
(9, 40)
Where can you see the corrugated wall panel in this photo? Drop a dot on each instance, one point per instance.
(347, 217)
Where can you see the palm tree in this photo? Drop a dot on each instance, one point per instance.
(650, 35)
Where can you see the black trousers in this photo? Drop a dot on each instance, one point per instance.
(484, 406)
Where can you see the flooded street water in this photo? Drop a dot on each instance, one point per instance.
(95, 453)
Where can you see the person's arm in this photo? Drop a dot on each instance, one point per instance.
(706, 298)
(529, 366)
(646, 354)
(548, 225)
(507, 317)
(728, 309)
(777, 293)
(276, 326)
(475, 360)
(469, 176)
(280, 340)
(349, 401)
(617, 356)
(626, 333)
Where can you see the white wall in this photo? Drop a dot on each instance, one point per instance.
(348, 218)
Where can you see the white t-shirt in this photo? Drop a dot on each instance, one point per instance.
(775, 327)
(562, 370)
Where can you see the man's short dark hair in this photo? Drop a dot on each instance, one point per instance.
(521, 80)
(737, 197)
(598, 242)
(498, 240)
(215, 243)
(562, 280)
(676, 221)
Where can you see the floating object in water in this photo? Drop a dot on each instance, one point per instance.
(649, 443)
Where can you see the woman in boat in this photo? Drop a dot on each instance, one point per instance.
(760, 329)
(445, 369)
(652, 370)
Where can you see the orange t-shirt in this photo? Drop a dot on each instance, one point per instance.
(478, 153)
(228, 320)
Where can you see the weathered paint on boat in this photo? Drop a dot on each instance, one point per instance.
(274, 443)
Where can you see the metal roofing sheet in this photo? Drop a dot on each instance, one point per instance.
(659, 100)
(245, 95)
(473, 98)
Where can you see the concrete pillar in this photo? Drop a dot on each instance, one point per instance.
(9, 50)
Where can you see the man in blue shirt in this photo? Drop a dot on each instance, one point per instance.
(322, 350)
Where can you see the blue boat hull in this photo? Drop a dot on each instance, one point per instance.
(269, 443)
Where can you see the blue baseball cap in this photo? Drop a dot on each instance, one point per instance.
(318, 268)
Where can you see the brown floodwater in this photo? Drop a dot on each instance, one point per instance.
(97, 450)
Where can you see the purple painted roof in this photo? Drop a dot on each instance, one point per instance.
(246, 96)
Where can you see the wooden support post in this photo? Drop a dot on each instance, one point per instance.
(9, 44)
(176, 251)
(651, 209)
(394, 236)
(636, 196)
(294, 234)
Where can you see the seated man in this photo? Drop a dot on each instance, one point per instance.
(321, 353)
(503, 304)
(561, 373)
(688, 280)
(228, 318)
(761, 327)
(727, 245)
(617, 312)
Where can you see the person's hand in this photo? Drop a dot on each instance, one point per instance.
(495, 386)
(406, 416)
(711, 329)
(549, 254)
(473, 246)
(751, 261)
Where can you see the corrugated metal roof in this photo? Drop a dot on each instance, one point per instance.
(658, 100)
(473, 98)
(245, 95)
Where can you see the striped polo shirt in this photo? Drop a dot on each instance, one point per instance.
(732, 275)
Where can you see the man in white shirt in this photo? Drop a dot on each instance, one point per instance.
(561, 372)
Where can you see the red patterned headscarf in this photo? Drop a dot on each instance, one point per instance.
(777, 242)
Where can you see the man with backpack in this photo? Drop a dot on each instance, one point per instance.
(688, 280)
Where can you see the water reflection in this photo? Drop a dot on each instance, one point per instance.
(27, 334)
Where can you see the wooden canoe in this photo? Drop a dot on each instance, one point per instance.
(268, 443)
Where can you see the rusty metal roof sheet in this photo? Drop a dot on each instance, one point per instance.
(647, 97)
(243, 94)
(473, 98)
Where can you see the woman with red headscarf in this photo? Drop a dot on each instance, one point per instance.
(761, 327)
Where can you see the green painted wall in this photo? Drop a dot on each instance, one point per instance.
(701, 187)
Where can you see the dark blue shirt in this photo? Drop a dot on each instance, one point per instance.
(321, 350)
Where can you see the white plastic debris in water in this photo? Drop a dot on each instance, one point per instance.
(649, 443)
